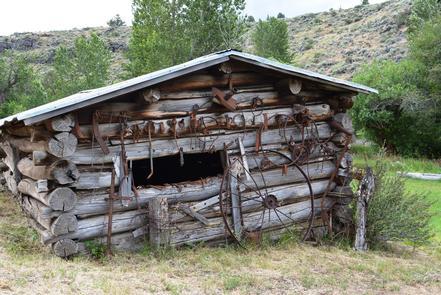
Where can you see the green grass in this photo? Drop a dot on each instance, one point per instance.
(369, 155)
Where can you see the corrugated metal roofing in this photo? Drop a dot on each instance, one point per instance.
(89, 97)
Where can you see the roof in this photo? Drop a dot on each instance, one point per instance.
(89, 97)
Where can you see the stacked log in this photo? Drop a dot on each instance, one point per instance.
(61, 168)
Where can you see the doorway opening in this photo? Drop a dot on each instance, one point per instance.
(169, 169)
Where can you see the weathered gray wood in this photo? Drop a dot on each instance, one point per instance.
(42, 158)
(62, 144)
(63, 123)
(193, 232)
(96, 203)
(122, 242)
(165, 147)
(275, 176)
(365, 192)
(208, 81)
(190, 212)
(38, 211)
(65, 248)
(423, 176)
(62, 171)
(93, 180)
(64, 224)
(231, 120)
(235, 196)
(179, 108)
(54, 222)
(251, 201)
(61, 199)
(159, 225)
(12, 176)
(97, 226)
(42, 185)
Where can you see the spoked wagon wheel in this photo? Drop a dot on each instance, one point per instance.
(249, 205)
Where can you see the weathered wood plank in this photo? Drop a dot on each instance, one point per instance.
(165, 147)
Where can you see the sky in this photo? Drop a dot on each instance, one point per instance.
(50, 15)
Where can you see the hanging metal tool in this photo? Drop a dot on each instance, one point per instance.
(225, 99)
(110, 214)
(150, 124)
(97, 134)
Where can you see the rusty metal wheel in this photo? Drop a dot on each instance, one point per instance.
(250, 206)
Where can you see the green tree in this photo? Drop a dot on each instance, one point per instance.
(280, 15)
(425, 47)
(214, 25)
(271, 39)
(166, 32)
(20, 86)
(116, 21)
(86, 66)
(158, 37)
(365, 2)
(403, 117)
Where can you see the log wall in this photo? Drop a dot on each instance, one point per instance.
(289, 137)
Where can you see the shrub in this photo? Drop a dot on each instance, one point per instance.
(96, 250)
(395, 214)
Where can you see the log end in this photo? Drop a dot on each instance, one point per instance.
(64, 224)
(62, 145)
(65, 248)
(62, 199)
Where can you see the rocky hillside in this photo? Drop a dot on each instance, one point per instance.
(335, 42)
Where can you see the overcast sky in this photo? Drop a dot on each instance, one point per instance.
(48, 15)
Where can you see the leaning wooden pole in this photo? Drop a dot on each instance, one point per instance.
(365, 192)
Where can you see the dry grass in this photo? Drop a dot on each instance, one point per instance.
(280, 269)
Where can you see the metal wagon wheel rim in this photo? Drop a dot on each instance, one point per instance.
(267, 203)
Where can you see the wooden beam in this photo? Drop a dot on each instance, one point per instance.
(159, 224)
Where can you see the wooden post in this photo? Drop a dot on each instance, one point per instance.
(159, 229)
(235, 198)
(365, 191)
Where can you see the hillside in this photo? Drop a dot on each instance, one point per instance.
(335, 42)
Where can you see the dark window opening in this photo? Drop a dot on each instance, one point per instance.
(169, 169)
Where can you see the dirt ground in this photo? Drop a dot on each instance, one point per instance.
(285, 268)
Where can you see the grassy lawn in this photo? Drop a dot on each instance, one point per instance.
(285, 268)
(290, 267)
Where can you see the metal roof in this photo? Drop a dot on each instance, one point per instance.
(89, 97)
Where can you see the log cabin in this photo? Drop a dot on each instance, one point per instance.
(225, 148)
